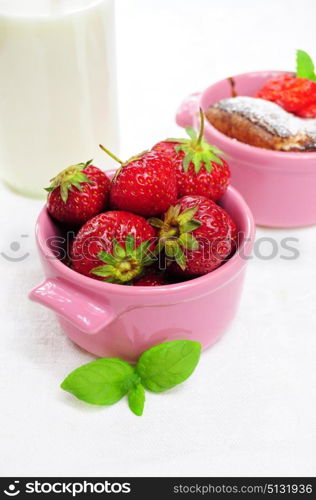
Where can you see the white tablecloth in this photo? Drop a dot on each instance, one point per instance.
(249, 409)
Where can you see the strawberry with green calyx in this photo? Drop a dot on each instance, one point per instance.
(124, 262)
(199, 168)
(296, 94)
(114, 246)
(175, 233)
(145, 184)
(78, 193)
(197, 236)
(69, 177)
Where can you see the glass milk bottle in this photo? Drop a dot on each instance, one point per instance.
(57, 88)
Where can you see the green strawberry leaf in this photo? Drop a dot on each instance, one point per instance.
(64, 192)
(187, 160)
(188, 241)
(191, 133)
(142, 250)
(155, 222)
(188, 214)
(103, 271)
(100, 382)
(168, 364)
(107, 258)
(180, 258)
(213, 157)
(129, 244)
(304, 66)
(174, 252)
(118, 250)
(171, 248)
(136, 399)
(189, 226)
(196, 160)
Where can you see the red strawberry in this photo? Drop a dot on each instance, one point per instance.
(152, 278)
(309, 111)
(113, 246)
(200, 171)
(145, 184)
(295, 95)
(78, 193)
(197, 235)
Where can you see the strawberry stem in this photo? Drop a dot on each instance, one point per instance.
(112, 155)
(199, 139)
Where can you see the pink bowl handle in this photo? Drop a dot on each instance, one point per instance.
(188, 108)
(77, 307)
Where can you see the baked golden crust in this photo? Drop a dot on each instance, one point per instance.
(243, 118)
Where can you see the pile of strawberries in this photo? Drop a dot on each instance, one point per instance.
(156, 222)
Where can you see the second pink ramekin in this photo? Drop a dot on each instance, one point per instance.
(278, 186)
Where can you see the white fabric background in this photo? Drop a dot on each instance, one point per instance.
(249, 409)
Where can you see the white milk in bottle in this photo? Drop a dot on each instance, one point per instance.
(57, 88)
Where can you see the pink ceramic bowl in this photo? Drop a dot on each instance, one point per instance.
(278, 186)
(123, 321)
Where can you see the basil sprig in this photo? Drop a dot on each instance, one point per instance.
(304, 66)
(106, 380)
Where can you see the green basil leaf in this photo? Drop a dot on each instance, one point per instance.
(100, 382)
(168, 364)
(136, 399)
(304, 66)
